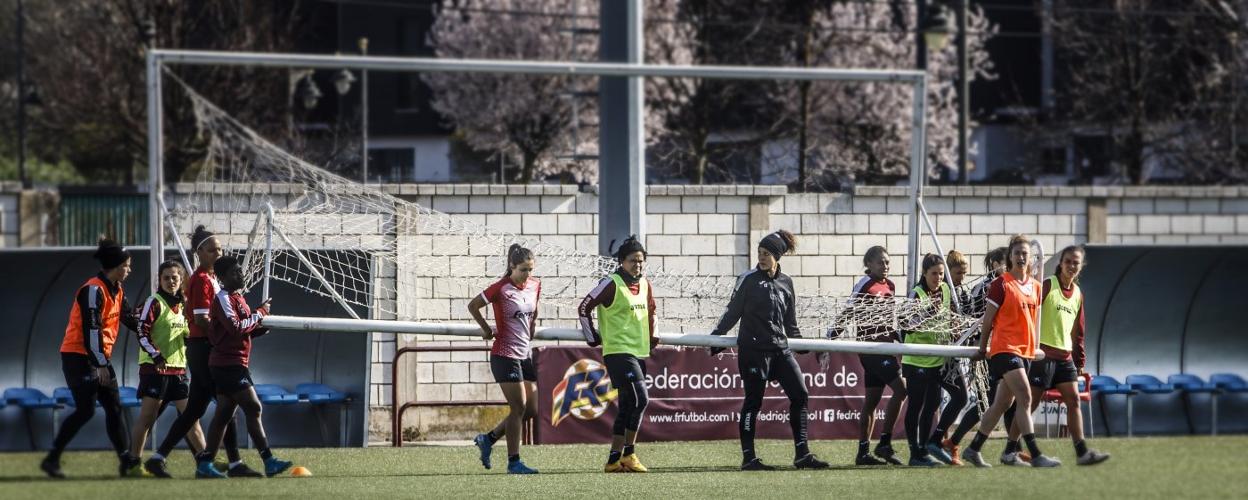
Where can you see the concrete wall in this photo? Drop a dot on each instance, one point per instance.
(712, 230)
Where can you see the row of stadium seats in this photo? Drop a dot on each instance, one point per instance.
(270, 394)
(1135, 385)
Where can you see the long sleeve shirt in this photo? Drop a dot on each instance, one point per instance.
(233, 325)
(604, 295)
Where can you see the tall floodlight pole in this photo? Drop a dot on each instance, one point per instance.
(621, 129)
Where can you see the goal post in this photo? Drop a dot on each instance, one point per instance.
(157, 59)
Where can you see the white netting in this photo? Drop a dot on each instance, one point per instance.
(392, 257)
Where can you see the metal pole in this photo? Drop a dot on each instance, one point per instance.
(268, 250)
(621, 135)
(155, 164)
(364, 113)
(964, 96)
(173, 234)
(320, 277)
(918, 173)
(21, 95)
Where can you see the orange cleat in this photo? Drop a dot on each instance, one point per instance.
(955, 452)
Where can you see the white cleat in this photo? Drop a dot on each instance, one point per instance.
(1013, 460)
(975, 458)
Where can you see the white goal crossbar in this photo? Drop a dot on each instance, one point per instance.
(346, 325)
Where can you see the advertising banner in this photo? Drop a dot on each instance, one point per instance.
(693, 396)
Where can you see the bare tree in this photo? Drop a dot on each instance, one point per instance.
(1161, 78)
(88, 61)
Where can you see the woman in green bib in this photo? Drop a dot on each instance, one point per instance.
(625, 305)
(162, 358)
(924, 373)
(1061, 339)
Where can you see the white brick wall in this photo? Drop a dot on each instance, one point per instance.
(706, 230)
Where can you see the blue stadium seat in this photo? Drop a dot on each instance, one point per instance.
(1229, 382)
(1191, 384)
(320, 395)
(1143, 384)
(273, 394)
(130, 397)
(63, 396)
(30, 399)
(1105, 385)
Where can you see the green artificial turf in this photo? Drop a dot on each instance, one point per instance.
(1158, 467)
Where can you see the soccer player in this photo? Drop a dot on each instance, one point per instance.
(232, 326)
(162, 359)
(624, 302)
(953, 382)
(200, 291)
(1008, 339)
(95, 319)
(879, 371)
(514, 298)
(924, 374)
(765, 303)
(1061, 339)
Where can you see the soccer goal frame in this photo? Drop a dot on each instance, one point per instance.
(157, 59)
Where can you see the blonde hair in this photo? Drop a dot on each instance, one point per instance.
(956, 259)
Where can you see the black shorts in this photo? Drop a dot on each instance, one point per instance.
(164, 387)
(879, 370)
(1048, 373)
(1000, 364)
(231, 379)
(622, 367)
(512, 370)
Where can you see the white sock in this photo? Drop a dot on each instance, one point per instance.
(236, 464)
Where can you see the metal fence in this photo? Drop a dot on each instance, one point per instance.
(84, 218)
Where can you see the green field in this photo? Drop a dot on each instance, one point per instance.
(1170, 467)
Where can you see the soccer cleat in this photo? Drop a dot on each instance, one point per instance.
(631, 463)
(52, 468)
(936, 452)
(483, 445)
(205, 470)
(518, 467)
(129, 467)
(274, 466)
(756, 464)
(242, 470)
(156, 468)
(810, 461)
(1024, 456)
(975, 458)
(924, 461)
(615, 467)
(886, 452)
(955, 457)
(1092, 457)
(135, 470)
(1014, 460)
(1045, 461)
(868, 459)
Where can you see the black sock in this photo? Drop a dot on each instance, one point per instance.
(886, 439)
(54, 455)
(204, 456)
(747, 456)
(1030, 439)
(1081, 448)
(511, 459)
(613, 457)
(492, 437)
(628, 450)
(266, 453)
(977, 442)
(937, 436)
(1011, 446)
(864, 447)
(800, 450)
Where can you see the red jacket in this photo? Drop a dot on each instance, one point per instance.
(233, 325)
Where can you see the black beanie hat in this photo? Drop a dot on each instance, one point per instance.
(199, 237)
(110, 254)
(774, 244)
(628, 247)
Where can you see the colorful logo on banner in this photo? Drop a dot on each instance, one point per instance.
(584, 392)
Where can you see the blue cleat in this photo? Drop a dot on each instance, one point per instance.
(518, 467)
(206, 470)
(274, 466)
(935, 451)
(483, 444)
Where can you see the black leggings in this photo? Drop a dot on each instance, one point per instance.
(84, 383)
(756, 369)
(202, 394)
(628, 376)
(958, 396)
(923, 394)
